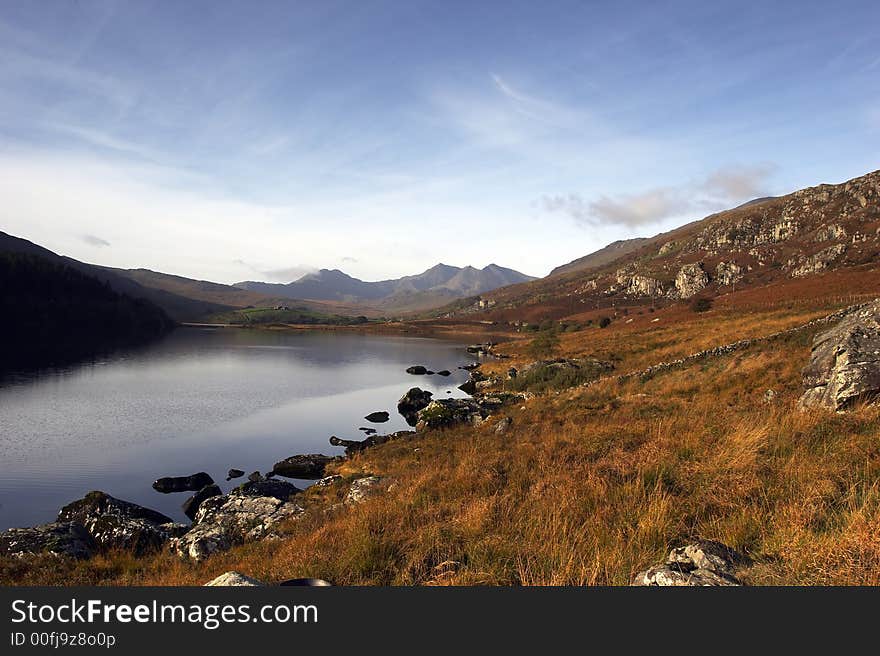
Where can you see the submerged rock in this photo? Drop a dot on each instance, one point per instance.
(69, 539)
(844, 366)
(192, 483)
(306, 467)
(114, 523)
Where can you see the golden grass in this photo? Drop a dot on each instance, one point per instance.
(590, 485)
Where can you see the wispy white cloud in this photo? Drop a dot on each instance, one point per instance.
(93, 240)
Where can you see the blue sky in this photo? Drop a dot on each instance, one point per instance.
(258, 140)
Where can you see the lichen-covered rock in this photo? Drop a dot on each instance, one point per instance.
(222, 522)
(114, 523)
(728, 273)
(307, 467)
(362, 488)
(805, 265)
(58, 538)
(844, 365)
(701, 563)
(447, 412)
(234, 579)
(691, 279)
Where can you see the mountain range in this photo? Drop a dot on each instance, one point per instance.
(430, 288)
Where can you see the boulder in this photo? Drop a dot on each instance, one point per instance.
(701, 563)
(691, 279)
(417, 370)
(353, 446)
(225, 521)
(69, 539)
(114, 523)
(308, 467)
(362, 488)
(844, 366)
(253, 477)
(192, 483)
(191, 505)
(444, 372)
(234, 579)
(234, 473)
(447, 412)
(378, 417)
(411, 402)
(281, 490)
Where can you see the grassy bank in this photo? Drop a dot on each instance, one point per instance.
(589, 485)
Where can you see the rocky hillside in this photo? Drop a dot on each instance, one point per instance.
(801, 236)
(610, 253)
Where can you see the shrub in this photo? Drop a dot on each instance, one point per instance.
(604, 322)
(701, 304)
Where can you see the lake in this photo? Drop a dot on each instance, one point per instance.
(201, 399)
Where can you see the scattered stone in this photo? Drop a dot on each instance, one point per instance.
(702, 563)
(378, 417)
(844, 367)
(69, 539)
(191, 505)
(417, 370)
(113, 523)
(234, 473)
(192, 483)
(362, 488)
(307, 467)
(234, 579)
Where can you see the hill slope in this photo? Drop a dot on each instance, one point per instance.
(603, 256)
(800, 243)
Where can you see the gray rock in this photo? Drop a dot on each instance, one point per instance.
(69, 539)
(844, 366)
(308, 467)
(114, 523)
(362, 488)
(191, 505)
(225, 521)
(234, 579)
(701, 563)
(192, 483)
(691, 279)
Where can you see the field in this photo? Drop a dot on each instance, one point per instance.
(588, 485)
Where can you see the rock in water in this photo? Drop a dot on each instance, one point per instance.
(234, 579)
(703, 563)
(114, 523)
(192, 483)
(444, 372)
(844, 366)
(59, 538)
(234, 473)
(308, 467)
(191, 506)
(378, 417)
(417, 370)
(281, 490)
(410, 403)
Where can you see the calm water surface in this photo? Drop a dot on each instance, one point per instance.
(199, 400)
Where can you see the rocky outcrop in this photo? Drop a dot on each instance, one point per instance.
(806, 265)
(443, 413)
(703, 563)
(844, 366)
(234, 579)
(644, 286)
(728, 273)
(691, 279)
(307, 467)
(192, 483)
(410, 403)
(69, 539)
(225, 521)
(113, 523)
